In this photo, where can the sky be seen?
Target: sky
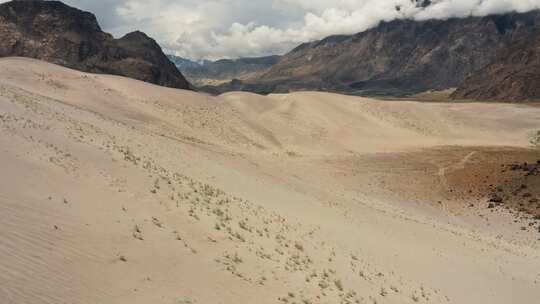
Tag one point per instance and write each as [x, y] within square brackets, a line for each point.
[213, 29]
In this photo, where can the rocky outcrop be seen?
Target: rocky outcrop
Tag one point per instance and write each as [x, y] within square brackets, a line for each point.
[57, 33]
[513, 76]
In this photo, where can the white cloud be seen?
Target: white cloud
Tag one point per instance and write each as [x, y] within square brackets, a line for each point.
[236, 28]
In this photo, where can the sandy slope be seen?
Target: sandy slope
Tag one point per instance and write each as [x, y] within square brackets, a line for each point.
[117, 191]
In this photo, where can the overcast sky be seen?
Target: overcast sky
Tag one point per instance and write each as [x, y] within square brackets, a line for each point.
[238, 28]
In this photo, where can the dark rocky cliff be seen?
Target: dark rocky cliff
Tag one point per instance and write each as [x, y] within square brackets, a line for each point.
[55, 32]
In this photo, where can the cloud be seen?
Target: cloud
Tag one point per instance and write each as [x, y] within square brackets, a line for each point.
[322, 18]
[216, 29]
[238, 28]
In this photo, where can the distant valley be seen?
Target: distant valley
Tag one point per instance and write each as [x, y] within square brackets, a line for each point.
[208, 73]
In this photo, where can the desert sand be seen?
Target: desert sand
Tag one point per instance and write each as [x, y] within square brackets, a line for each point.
[113, 190]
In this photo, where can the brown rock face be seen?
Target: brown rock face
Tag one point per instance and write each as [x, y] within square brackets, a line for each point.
[400, 57]
[514, 75]
[55, 32]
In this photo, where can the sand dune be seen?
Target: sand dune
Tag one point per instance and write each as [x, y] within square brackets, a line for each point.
[117, 191]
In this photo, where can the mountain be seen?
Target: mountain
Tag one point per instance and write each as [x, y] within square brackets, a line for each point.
[513, 76]
[399, 57]
[55, 32]
[215, 72]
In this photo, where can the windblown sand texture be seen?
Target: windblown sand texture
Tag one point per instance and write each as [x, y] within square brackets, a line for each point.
[118, 191]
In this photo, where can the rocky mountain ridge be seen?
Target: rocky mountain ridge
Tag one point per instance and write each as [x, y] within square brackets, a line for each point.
[396, 58]
[55, 32]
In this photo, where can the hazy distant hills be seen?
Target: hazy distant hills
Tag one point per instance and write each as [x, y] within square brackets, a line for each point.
[183, 63]
[208, 72]
[397, 58]
[55, 32]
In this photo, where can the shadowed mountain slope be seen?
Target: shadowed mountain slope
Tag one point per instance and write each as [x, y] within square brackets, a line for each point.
[55, 32]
